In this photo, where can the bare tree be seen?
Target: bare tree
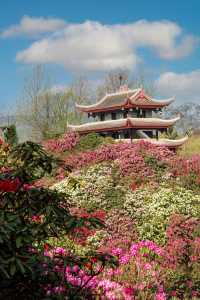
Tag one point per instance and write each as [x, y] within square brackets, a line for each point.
[81, 93]
[115, 79]
[112, 82]
[43, 110]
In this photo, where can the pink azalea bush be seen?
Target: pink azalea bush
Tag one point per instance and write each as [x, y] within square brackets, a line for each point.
[65, 143]
[130, 157]
[146, 270]
[188, 170]
[121, 231]
[142, 273]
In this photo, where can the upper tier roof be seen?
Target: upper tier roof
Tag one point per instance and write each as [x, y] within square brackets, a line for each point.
[125, 99]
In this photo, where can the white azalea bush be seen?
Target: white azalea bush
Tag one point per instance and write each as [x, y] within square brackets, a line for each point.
[152, 209]
[94, 188]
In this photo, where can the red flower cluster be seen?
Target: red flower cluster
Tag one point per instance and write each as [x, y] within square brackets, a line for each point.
[8, 185]
[36, 219]
[80, 234]
[181, 166]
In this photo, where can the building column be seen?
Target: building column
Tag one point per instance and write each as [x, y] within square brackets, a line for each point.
[157, 134]
[130, 134]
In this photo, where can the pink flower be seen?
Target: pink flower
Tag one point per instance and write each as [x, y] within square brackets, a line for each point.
[117, 251]
[124, 259]
[75, 268]
[173, 293]
[160, 296]
[129, 291]
[195, 294]
[60, 251]
[147, 266]
[141, 286]
[134, 249]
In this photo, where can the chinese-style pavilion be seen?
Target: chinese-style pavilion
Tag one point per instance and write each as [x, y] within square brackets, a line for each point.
[128, 114]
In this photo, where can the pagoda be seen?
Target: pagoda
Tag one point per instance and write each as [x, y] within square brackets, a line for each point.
[128, 114]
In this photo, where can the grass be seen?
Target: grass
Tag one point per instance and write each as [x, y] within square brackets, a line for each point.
[191, 147]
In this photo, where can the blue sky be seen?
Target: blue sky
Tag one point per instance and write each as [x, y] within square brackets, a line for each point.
[92, 37]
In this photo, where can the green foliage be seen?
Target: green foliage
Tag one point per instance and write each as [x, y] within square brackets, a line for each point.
[155, 164]
[10, 135]
[91, 141]
[31, 162]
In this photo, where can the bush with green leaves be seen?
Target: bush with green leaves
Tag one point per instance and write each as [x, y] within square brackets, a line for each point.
[91, 141]
[152, 208]
[29, 218]
[10, 135]
[93, 188]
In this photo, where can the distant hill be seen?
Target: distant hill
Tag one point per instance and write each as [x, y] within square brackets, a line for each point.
[190, 115]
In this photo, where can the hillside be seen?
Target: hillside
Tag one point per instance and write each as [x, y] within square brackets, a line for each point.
[120, 220]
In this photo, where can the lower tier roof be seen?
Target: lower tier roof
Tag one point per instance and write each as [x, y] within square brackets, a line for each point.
[112, 125]
[161, 142]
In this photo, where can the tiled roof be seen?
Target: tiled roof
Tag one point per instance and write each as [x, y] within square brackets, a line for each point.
[161, 142]
[125, 98]
[110, 125]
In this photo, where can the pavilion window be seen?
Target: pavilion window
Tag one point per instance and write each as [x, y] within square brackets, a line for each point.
[125, 114]
[113, 116]
[102, 117]
[148, 113]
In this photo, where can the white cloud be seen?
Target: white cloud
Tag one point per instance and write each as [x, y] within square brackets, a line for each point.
[92, 46]
[185, 86]
[29, 26]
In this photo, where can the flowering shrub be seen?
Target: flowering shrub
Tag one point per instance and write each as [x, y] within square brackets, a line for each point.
[81, 234]
[187, 170]
[182, 256]
[94, 188]
[152, 209]
[129, 157]
[121, 231]
[114, 201]
[139, 261]
[29, 217]
[67, 142]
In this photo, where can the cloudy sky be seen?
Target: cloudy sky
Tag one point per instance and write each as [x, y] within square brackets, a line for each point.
[94, 36]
